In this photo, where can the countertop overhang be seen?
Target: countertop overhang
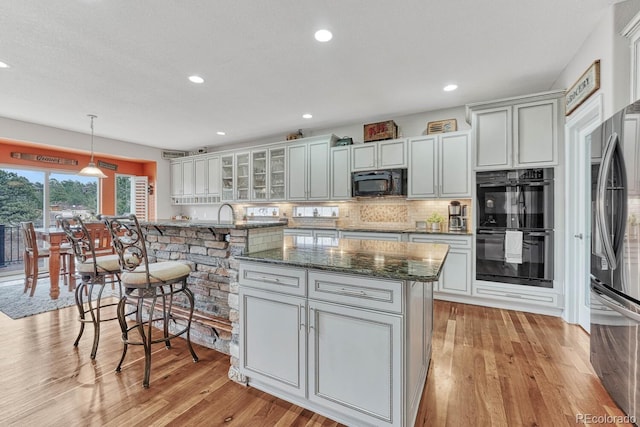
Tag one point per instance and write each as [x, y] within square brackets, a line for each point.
[420, 262]
[200, 223]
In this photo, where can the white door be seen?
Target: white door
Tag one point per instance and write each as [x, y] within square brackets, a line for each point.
[577, 212]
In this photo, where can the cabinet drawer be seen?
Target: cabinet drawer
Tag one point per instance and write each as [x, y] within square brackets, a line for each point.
[273, 277]
[461, 242]
[366, 235]
[507, 294]
[376, 294]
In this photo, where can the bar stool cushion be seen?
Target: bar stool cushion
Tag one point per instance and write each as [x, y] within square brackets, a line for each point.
[159, 272]
[106, 264]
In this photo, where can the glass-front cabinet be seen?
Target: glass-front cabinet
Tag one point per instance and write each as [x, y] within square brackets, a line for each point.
[242, 176]
[276, 173]
[226, 174]
[259, 179]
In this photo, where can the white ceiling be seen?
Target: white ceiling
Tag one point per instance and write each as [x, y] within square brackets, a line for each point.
[128, 62]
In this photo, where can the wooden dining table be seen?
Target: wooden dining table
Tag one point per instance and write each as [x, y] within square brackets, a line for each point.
[55, 237]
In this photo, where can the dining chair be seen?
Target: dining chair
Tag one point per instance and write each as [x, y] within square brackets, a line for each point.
[32, 256]
[97, 265]
[149, 291]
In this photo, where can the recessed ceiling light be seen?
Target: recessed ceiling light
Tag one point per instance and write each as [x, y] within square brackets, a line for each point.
[323, 35]
[196, 79]
[4, 65]
[306, 116]
[221, 133]
[449, 88]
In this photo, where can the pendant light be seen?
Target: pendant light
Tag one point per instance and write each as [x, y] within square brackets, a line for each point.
[91, 169]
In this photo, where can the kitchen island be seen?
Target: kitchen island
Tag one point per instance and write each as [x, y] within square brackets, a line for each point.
[342, 328]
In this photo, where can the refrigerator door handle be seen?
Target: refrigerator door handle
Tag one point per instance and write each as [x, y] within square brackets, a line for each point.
[605, 168]
[613, 305]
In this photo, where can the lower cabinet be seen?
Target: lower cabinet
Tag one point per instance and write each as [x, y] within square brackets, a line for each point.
[354, 348]
[456, 275]
[273, 345]
[343, 374]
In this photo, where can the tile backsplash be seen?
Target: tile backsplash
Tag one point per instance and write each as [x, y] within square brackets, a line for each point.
[374, 213]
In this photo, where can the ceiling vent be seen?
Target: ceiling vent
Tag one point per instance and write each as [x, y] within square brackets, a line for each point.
[168, 155]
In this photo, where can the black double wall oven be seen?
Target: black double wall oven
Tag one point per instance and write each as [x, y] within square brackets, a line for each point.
[514, 235]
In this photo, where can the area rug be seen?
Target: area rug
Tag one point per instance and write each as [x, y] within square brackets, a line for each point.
[16, 304]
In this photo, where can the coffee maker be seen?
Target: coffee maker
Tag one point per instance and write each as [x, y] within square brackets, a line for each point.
[457, 216]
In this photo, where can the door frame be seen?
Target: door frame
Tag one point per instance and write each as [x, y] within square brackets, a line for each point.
[577, 210]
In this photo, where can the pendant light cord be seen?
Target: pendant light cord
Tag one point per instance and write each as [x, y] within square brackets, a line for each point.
[92, 116]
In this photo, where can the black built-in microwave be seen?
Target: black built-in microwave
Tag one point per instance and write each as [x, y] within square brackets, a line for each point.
[389, 182]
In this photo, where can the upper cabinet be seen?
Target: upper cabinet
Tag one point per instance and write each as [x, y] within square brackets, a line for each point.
[308, 169]
[517, 132]
[439, 166]
[389, 154]
[340, 170]
[277, 179]
[195, 180]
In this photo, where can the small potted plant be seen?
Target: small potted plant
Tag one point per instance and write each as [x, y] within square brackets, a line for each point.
[434, 221]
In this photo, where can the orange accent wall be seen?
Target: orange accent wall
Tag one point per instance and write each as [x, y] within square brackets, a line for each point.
[107, 194]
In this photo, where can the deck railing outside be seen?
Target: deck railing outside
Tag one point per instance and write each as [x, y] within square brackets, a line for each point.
[11, 248]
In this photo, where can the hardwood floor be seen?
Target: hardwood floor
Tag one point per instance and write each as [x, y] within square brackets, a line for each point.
[490, 367]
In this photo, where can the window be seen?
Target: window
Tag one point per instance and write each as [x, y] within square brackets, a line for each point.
[33, 195]
[131, 195]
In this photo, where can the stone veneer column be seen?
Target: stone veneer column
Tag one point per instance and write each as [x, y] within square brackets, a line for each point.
[214, 275]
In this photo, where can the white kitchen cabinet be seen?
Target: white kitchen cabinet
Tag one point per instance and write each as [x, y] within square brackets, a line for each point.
[227, 177]
[356, 349]
[308, 169]
[632, 152]
[456, 275]
[195, 180]
[207, 176]
[277, 178]
[259, 174]
[309, 236]
[235, 176]
[176, 178]
[390, 154]
[340, 170]
[273, 342]
[242, 177]
[517, 132]
[346, 377]
[371, 235]
[439, 166]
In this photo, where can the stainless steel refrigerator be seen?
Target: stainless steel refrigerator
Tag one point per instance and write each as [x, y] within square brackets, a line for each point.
[615, 259]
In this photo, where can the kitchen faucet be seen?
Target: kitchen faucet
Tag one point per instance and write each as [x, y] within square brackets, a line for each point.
[233, 214]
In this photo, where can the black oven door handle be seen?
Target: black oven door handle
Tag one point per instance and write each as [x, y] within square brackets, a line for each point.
[493, 184]
[490, 232]
[537, 233]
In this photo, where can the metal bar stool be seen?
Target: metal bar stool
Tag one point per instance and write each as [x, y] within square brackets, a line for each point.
[95, 262]
[150, 288]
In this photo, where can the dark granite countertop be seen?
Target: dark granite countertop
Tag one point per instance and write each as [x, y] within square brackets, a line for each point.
[392, 260]
[213, 224]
